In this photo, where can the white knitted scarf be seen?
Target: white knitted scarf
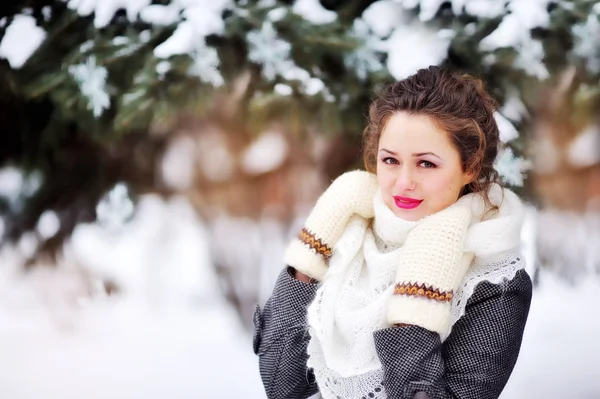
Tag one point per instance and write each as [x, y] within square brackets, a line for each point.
[350, 304]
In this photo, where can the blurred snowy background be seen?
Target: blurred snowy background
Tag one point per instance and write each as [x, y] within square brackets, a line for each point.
[156, 156]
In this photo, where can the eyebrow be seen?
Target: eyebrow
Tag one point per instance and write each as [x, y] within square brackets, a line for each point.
[417, 154]
[420, 154]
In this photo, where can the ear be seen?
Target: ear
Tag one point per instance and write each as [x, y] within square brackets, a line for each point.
[467, 178]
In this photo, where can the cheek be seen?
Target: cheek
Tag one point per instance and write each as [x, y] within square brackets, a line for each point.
[444, 189]
[383, 186]
[384, 179]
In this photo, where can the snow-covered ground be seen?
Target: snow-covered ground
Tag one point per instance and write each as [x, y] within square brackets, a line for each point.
[561, 347]
[123, 350]
[169, 335]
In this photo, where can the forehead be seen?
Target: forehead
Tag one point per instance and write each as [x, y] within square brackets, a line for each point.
[414, 131]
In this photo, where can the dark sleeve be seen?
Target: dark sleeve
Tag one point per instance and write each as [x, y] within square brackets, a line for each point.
[476, 359]
[281, 338]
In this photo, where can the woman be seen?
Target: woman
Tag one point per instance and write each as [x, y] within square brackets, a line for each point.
[406, 282]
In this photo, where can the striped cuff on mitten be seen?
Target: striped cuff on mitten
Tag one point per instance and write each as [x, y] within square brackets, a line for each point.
[420, 305]
[308, 254]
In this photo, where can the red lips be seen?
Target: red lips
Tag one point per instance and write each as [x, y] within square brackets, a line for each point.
[406, 202]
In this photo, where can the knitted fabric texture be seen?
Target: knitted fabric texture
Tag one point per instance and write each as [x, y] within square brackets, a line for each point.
[350, 194]
[433, 256]
[353, 299]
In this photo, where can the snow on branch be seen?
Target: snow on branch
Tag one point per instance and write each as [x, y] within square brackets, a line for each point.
[91, 79]
[21, 39]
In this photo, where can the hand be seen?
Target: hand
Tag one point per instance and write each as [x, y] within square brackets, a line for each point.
[432, 266]
[349, 194]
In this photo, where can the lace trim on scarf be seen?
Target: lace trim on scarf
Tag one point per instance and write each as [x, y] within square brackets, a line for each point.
[495, 270]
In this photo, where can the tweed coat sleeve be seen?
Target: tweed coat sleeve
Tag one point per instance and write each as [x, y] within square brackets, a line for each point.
[281, 338]
[475, 361]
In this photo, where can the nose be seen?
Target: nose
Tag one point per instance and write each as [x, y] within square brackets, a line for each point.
[405, 180]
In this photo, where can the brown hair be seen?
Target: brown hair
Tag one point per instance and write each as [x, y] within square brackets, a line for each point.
[459, 105]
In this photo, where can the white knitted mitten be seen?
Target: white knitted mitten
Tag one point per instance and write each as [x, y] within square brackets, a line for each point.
[351, 193]
[433, 264]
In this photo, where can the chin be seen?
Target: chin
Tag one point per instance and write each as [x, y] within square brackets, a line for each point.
[410, 215]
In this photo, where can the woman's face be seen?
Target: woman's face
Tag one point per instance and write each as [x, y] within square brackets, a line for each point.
[418, 169]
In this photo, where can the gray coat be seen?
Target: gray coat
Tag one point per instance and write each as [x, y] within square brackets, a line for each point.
[474, 362]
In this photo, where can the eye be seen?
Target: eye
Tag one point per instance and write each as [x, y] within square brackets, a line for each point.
[427, 164]
[390, 161]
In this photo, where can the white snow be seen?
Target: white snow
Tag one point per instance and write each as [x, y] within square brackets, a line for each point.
[169, 334]
[182, 41]
[512, 169]
[383, 16]
[429, 8]
[415, 46]
[158, 255]
[205, 66]
[584, 150]
[272, 53]
[47, 13]
[560, 347]
[162, 68]
[531, 54]
[119, 351]
[21, 38]
[11, 183]
[265, 154]
[240, 242]
[313, 11]
[268, 50]
[515, 27]
[277, 14]
[514, 108]
[160, 15]
[14, 185]
[484, 8]
[128, 46]
[282, 89]
[584, 47]
[309, 85]
[409, 4]
[507, 130]
[479, 8]
[514, 31]
[115, 208]
[91, 79]
[28, 244]
[314, 86]
[205, 16]
[202, 18]
[48, 224]
[104, 10]
[367, 57]
[567, 242]
[33, 181]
